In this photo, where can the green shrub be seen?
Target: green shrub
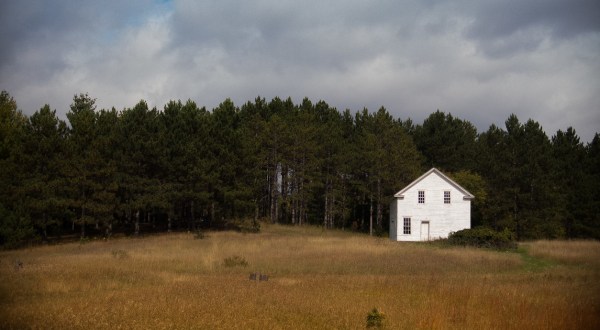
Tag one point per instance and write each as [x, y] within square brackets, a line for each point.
[234, 261]
[375, 319]
[484, 237]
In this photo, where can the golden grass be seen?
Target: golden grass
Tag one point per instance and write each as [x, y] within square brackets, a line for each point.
[318, 280]
[575, 251]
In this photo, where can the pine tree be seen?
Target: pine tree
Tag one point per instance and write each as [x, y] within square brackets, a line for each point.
[538, 201]
[139, 170]
[589, 223]
[569, 157]
[254, 157]
[105, 179]
[15, 224]
[84, 165]
[517, 164]
[225, 169]
[446, 142]
[386, 160]
[304, 164]
[492, 164]
[42, 159]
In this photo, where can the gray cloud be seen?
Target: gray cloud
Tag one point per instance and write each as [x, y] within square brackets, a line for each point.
[503, 27]
[478, 60]
[564, 19]
[57, 26]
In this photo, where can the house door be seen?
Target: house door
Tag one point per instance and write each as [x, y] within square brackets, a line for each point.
[424, 230]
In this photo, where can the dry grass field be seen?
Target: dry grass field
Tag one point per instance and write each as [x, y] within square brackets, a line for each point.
[317, 280]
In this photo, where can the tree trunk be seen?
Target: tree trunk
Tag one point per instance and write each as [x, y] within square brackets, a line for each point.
[294, 198]
[379, 208]
[108, 231]
[212, 211]
[284, 194]
[371, 216]
[344, 223]
[256, 212]
[273, 193]
[294, 204]
[82, 222]
[302, 212]
[325, 214]
[137, 223]
[332, 212]
[193, 216]
[301, 203]
[44, 232]
[516, 218]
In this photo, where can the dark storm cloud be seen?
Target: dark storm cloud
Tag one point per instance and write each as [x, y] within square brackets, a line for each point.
[563, 19]
[479, 60]
[504, 27]
[41, 32]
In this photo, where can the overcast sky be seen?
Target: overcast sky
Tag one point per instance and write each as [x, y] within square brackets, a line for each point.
[479, 60]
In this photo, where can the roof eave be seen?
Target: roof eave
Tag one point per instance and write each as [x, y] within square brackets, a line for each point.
[466, 194]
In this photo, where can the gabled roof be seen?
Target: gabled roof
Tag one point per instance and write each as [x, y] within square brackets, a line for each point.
[467, 195]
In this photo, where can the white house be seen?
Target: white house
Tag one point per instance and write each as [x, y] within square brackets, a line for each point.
[431, 207]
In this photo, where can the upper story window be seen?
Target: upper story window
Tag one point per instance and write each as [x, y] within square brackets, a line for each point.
[421, 197]
[446, 197]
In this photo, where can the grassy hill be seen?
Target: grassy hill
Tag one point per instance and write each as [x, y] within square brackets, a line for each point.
[316, 280]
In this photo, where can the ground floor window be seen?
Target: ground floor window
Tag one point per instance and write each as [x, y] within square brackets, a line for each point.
[406, 226]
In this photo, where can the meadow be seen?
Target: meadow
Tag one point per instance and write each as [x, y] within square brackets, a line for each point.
[318, 279]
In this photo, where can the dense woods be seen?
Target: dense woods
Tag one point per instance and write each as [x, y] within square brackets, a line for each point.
[184, 167]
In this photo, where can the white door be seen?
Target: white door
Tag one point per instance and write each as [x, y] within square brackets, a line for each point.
[424, 230]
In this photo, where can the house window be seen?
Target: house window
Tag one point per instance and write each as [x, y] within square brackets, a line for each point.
[446, 197]
[421, 197]
[406, 226]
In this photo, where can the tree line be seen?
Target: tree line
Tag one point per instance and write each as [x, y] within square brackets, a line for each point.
[184, 167]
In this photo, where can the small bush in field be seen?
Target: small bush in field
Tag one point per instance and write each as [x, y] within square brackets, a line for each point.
[242, 225]
[119, 254]
[375, 319]
[248, 226]
[199, 234]
[379, 232]
[483, 237]
[235, 261]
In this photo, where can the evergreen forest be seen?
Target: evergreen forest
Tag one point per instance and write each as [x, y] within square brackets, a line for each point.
[143, 170]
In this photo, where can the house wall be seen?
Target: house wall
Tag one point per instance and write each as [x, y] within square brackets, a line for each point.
[442, 218]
